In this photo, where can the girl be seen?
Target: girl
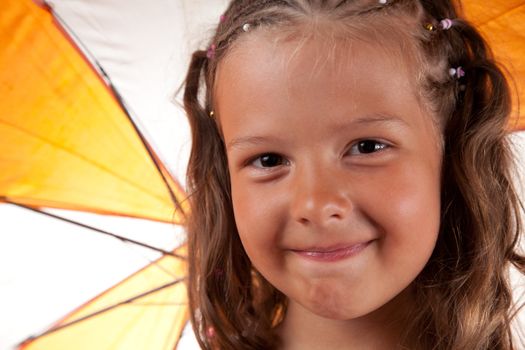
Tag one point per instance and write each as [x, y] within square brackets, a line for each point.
[351, 180]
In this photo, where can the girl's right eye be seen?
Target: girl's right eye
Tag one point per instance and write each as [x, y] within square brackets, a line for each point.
[268, 160]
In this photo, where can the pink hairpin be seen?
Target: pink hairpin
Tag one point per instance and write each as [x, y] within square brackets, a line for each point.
[210, 332]
[446, 24]
[458, 72]
[211, 52]
[222, 18]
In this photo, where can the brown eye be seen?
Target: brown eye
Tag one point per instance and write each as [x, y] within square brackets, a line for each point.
[268, 160]
[367, 146]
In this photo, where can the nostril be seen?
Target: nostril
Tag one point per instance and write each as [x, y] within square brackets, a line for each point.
[332, 211]
[304, 221]
[322, 204]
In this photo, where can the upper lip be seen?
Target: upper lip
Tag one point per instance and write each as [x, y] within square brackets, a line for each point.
[330, 248]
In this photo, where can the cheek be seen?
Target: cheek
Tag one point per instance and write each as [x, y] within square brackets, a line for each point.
[409, 211]
[257, 216]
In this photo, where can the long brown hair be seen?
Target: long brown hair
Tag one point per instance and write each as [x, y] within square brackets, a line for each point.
[463, 295]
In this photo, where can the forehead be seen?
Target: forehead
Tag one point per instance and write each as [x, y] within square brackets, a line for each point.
[323, 55]
[267, 70]
[330, 42]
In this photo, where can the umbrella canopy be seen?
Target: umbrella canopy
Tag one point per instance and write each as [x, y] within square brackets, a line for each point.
[127, 317]
[70, 141]
[503, 25]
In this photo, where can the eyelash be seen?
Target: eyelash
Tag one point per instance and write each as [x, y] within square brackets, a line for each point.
[259, 158]
[378, 147]
[382, 145]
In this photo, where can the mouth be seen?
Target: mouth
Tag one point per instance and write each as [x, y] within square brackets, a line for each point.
[334, 253]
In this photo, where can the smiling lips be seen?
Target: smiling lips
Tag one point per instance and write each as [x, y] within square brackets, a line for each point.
[332, 254]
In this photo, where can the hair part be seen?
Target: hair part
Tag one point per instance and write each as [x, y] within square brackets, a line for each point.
[463, 295]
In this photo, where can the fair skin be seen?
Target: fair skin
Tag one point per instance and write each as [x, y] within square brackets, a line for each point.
[335, 175]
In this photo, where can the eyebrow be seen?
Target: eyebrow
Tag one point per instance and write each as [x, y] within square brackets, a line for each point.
[364, 120]
[378, 118]
[249, 140]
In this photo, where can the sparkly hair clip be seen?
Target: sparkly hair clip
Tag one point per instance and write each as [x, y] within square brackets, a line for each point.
[211, 52]
[383, 2]
[444, 24]
[457, 72]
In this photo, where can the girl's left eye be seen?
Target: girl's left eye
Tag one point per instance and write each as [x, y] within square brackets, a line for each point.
[367, 146]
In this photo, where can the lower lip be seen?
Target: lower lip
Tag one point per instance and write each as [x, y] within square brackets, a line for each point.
[333, 255]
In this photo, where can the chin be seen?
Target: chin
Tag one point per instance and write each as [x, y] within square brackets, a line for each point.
[334, 314]
[335, 307]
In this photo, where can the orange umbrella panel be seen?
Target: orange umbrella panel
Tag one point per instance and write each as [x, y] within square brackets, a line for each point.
[148, 310]
[66, 142]
[502, 23]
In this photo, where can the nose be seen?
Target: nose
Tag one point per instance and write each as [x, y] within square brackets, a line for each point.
[321, 197]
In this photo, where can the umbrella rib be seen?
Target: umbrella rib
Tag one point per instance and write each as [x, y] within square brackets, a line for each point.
[160, 304]
[173, 330]
[124, 239]
[161, 268]
[102, 311]
[122, 104]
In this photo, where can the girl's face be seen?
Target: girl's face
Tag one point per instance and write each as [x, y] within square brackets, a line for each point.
[335, 170]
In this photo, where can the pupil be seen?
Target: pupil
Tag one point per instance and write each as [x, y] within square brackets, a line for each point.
[367, 146]
[270, 160]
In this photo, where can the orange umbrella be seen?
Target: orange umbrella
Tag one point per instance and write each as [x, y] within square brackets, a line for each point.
[65, 133]
[145, 311]
[503, 25]
[69, 143]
